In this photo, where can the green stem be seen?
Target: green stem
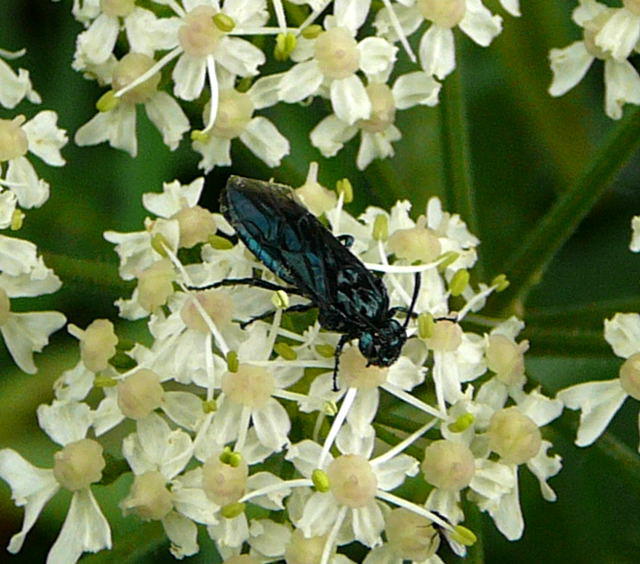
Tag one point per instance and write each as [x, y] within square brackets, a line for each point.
[96, 274]
[456, 156]
[532, 258]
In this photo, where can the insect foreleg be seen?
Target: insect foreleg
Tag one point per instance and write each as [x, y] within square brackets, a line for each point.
[414, 298]
[293, 308]
[257, 282]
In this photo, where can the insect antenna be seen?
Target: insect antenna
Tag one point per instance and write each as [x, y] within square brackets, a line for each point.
[414, 298]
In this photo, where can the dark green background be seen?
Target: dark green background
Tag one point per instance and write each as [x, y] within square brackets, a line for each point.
[526, 149]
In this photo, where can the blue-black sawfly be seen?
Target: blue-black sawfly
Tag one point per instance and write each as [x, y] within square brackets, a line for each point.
[295, 246]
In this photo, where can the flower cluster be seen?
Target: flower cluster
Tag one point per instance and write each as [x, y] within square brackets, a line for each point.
[216, 51]
[611, 35]
[23, 273]
[221, 417]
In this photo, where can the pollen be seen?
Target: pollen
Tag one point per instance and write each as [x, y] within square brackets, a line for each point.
[13, 141]
[352, 480]
[448, 465]
[235, 110]
[337, 53]
[130, 68]
[251, 386]
[383, 108]
[140, 394]
[149, 497]
[355, 373]
[78, 464]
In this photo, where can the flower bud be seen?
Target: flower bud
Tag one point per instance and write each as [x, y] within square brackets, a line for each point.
[224, 484]
[506, 358]
[98, 344]
[155, 285]
[630, 376]
[411, 536]
[448, 465]
[78, 464]
[250, 386]
[514, 436]
[415, 244]
[140, 394]
[196, 225]
[149, 497]
[446, 336]
[337, 53]
[301, 550]
[13, 140]
[352, 480]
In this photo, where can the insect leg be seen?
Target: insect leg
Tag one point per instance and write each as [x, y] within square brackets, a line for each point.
[257, 282]
[414, 298]
[346, 240]
[344, 339]
[293, 308]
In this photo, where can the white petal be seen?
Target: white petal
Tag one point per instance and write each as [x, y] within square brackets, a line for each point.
[96, 43]
[599, 402]
[376, 55]
[24, 181]
[273, 500]
[26, 333]
[183, 408]
[479, 24]
[248, 14]
[437, 51]
[174, 197]
[363, 410]
[45, 138]
[182, 533]
[569, 65]
[215, 151]
[85, 529]
[269, 538]
[31, 487]
[587, 10]
[507, 515]
[272, 425]
[622, 332]
[415, 88]
[305, 456]
[367, 523]
[15, 87]
[17, 256]
[225, 422]
[376, 146]
[409, 17]
[107, 415]
[65, 422]
[541, 409]
[330, 135]
[264, 91]
[619, 34]
[622, 86]
[634, 246]
[239, 56]
[167, 115]
[117, 126]
[511, 6]
[351, 14]
[265, 141]
[300, 81]
[350, 100]
[189, 76]
[142, 32]
[392, 473]
[356, 441]
[319, 514]
[544, 467]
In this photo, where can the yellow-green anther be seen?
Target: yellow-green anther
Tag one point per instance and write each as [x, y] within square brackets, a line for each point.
[107, 101]
[425, 325]
[285, 351]
[235, 459]
[330, 408]
[463, 535]
[345, 188]
[290, 42]
[232, 361]
[232, 510]
[220, 243]
[280, 299]
[160, 244]
[311, 31]
[244, 84]
[462, 423]
[500, 282]
[199, 135]
[447, 259]
[459, 282]
[17, 220]
[320, 480]
[224, 22]
[327, 351]
[104, 382]
[285, 44]
[209, 406]
[225, 455]
[381, 227]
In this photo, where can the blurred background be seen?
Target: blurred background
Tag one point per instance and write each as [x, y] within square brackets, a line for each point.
[526, 148]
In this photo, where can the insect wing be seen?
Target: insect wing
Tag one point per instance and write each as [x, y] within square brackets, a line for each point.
[295, 246]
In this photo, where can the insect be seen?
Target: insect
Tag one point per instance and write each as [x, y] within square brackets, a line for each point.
[295, 246]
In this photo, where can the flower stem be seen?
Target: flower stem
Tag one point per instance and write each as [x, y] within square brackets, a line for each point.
[533, 257]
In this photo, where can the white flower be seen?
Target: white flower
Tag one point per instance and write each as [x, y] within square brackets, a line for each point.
[235, 119]
[76, 467]
[600, 401]
[15, 87]
[620, 33]
[115, 122]
[570, 64]
[635, 237]
[377, 130]
[40, 136]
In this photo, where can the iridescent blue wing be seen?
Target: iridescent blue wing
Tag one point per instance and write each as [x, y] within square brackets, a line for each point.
[295, 246]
